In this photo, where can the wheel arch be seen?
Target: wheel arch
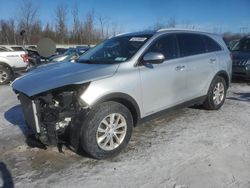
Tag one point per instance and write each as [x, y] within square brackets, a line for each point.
[124, 99]
[224, 75]
[8, 66]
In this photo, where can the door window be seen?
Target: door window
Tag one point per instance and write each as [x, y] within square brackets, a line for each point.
[165, 45]
[190, 44]
[211, 45]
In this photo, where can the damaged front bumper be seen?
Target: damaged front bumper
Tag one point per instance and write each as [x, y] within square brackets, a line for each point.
[55, 117]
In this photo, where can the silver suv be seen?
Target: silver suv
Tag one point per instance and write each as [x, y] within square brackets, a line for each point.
[94, 103]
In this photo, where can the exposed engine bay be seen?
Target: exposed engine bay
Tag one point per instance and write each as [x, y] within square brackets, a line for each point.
[55, 114]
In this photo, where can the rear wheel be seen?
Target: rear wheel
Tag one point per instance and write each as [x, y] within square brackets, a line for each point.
[106, 130]
[5, 75]
[216, 94]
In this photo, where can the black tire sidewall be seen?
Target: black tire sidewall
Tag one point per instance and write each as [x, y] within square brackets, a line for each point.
[91, 123]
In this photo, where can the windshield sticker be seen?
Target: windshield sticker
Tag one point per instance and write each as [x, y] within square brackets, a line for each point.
[138, 39]
[120, 59]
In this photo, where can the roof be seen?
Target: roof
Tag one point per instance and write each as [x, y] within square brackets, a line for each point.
[148, 32]
[152, 32]
[184, 29]
[176, 29]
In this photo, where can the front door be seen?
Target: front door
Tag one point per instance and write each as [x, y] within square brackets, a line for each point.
[163, 85]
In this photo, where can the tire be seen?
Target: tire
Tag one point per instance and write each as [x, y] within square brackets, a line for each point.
[212, 102]
[93, 130]
[5, 75]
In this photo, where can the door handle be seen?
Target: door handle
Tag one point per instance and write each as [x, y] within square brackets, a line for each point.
[180, 68]
[212, 60]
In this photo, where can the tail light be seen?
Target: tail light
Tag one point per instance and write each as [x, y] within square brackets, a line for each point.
[25, 58]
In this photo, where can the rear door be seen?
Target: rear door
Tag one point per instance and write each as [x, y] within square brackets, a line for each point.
[163, 85]
[201, 65]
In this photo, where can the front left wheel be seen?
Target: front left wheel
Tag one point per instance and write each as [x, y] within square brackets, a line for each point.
[106, 130]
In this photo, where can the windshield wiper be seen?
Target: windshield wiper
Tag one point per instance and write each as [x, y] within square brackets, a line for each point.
[86, 61]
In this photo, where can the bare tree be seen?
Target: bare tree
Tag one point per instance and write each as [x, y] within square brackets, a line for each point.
[75, 33]
[84, 31]
[27, 18]
[8, 32]
[88, 27]
[171, 23]
[157, 26]
[5, 31]
[101, 20]
[108, 29]
[61, 27]
[13, 30]
[48, 31]
[115, 29]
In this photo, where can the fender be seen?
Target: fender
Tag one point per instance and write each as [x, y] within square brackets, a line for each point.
[225, 75]
[6, 65]
[124, 99]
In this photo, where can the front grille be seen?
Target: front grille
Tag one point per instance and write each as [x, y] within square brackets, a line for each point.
[29, 112]
[239, 62]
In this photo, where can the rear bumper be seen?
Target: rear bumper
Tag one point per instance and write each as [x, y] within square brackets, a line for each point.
[19, 69]
[241, 71]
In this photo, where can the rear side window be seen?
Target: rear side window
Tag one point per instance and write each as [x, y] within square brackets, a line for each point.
[190, 44]
[165, 45]
[211, 45]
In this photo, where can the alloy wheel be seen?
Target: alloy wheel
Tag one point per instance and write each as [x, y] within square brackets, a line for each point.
[218, 93]
[3, 76]
[111, 131]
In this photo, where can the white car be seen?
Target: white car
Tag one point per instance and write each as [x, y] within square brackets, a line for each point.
[10, 62]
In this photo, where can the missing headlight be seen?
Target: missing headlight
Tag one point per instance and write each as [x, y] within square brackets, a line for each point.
[57, 109]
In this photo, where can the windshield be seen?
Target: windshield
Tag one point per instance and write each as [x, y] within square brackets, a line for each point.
[69, 51]
[242, 45]
[115, 50]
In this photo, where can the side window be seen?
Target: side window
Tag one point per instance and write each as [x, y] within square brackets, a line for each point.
[211, 45]
[190, 44]
[165, 45]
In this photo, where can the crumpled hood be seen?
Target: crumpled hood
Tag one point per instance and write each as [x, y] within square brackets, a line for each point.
[241, 55]
[56, 75]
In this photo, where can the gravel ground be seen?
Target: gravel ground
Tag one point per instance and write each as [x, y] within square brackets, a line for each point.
[188, 148]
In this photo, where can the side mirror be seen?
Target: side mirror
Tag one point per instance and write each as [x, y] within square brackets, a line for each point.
[153, 58]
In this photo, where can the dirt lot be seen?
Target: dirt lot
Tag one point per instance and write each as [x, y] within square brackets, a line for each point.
[189, 148]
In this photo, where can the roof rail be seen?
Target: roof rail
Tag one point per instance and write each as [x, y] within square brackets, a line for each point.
[177, 29]
[119, 34]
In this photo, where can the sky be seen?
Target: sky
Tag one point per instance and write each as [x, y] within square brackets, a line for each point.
[136, 15]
